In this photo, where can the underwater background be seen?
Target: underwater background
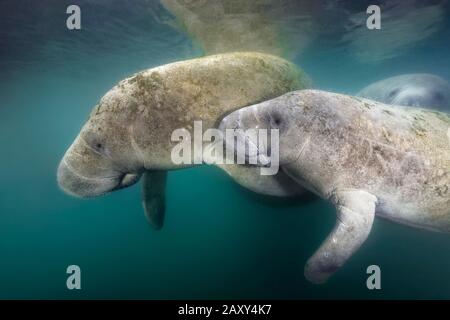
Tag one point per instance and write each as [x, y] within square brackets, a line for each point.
[219, 240]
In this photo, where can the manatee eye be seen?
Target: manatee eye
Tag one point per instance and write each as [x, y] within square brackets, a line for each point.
[98, 146]
[438, 96]
[94, 142]
[393, 93]
[275, 119]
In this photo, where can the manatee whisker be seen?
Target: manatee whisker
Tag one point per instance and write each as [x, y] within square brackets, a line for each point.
[75, 172]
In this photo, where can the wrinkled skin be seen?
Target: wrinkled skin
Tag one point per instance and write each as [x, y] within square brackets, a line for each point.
[365, 157]
[102, 158]
[129, 132]
[415, 90]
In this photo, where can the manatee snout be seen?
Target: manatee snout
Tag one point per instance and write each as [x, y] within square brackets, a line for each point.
[235, 128]
[78, 185]
[85, 172]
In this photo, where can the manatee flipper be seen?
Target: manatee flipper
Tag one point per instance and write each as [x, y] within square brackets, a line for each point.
[355, 214]
[154, 197]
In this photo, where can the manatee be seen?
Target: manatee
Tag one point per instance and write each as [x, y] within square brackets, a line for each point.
[128, 133]
[365, 157]
[417, 90]
[269, 26]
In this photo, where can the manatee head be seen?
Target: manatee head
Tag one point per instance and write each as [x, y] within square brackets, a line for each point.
[415, 90]
[103, 157]
[282, 114]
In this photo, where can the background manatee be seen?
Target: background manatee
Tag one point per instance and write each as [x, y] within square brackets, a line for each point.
[129, 132]
[270, 26]
[417, 90]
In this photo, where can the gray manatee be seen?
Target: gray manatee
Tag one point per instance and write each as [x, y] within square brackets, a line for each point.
[365, 157]
[128, 133]
[416, 90]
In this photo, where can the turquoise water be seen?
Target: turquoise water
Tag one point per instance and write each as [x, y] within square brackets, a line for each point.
[219, 240]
